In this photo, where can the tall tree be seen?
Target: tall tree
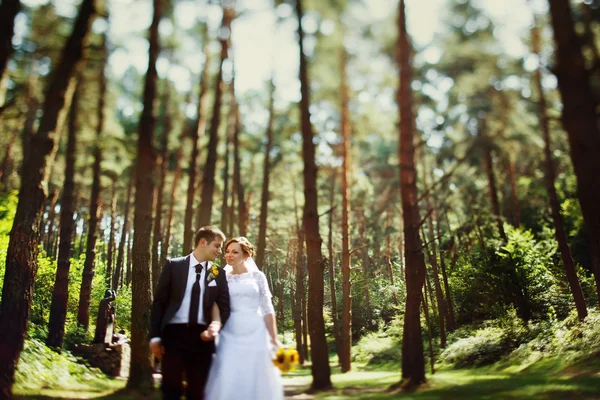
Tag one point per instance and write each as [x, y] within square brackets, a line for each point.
[110, 252]
[208, 175]
[116, 279]
[346, 328]
[264, 200]
[331, 266]
[162, 166]
[413, 362]
[60, 292]
[196, 133]
[580, 120]
[21, 256]
[85, 291]
[140, 372]
[321, 372]
[559, 229]
[8, 11]
[237, 181]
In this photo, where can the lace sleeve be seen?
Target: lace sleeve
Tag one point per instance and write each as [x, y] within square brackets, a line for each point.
[265, 303]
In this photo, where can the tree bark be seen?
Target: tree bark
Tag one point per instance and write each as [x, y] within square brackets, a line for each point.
[299, 292]
[559, 229]
[488, 164]
[413, 362]
[5, 168]
[163, 165]
[110, 253]
[231, 128]
[140, 372]
[60, 292]
[331, 265]
[116, 280]
[346, 332]
[85, 292]
[580, 120]
[365, 269]
[21, 257]
[8, 11]
[237, 183]
[388, 256]
[321, 372]
[439, 295]
[208, 175]
[264, 199]
[196, 133]
[167, 237]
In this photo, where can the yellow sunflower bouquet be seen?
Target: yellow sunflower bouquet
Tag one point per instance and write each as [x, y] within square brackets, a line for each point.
[286, 359]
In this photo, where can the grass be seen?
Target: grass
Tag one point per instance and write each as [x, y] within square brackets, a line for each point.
[539, 380]
[547, 379]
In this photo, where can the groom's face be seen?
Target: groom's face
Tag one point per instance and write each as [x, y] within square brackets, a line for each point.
[212, 249]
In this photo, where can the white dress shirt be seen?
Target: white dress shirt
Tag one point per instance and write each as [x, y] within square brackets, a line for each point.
[182, 315]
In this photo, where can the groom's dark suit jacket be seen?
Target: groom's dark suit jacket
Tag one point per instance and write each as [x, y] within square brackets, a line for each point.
[171, 289]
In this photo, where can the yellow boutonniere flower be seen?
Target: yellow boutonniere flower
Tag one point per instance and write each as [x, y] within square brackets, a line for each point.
[213, 273]
[286, 359]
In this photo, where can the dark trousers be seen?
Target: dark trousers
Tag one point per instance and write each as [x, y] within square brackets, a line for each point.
[186, 357]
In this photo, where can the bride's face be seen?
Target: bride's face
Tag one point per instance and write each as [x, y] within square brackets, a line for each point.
[234, 254]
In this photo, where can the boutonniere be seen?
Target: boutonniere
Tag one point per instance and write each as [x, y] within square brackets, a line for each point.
[213, 272]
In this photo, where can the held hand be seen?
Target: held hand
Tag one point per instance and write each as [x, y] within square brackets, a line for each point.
[157, 350]
[206, 336]
[214, 328]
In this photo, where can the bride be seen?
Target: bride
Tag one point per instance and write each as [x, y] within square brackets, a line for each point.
[243, 367]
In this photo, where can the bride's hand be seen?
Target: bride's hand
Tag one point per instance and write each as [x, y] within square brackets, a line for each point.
[206, 336]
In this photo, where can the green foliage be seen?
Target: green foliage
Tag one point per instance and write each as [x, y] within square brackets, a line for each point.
[40, 367]
[8, 207]
[487, 344]
[381, 348]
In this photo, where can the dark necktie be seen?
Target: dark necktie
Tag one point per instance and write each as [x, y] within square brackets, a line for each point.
[195, 300]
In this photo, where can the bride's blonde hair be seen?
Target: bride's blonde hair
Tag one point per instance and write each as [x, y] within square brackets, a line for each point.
[247, 247]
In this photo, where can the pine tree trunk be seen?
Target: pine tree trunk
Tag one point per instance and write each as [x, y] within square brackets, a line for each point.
[299, 288]
[196, 133]
[5, 168]
[237, 183]
[167, 237]
[346, 332]
[60, 292]
[388, 257]
[140, 372]
[331, 265]
[110, 253]
[413, 362]
[208, 175]
[231, 127]
[264, 199]
[559, 229]
[580, 120]
[8, 11]
[439, 295]
[450, 320]
[49, 230]
[163, 165]
[429, 331]
[85, 292]
[129, 245]
[321, 372]
[488, 164]
[365, 269]
[116, 280]
[21, 257]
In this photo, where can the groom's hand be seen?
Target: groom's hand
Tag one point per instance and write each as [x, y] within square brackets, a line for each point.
[157, 349]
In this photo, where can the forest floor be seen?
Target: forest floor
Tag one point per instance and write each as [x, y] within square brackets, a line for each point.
[543, 380]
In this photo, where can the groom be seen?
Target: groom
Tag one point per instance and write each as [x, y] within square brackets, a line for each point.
[186, 291]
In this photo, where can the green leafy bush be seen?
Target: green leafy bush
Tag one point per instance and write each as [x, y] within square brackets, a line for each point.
[40, 367]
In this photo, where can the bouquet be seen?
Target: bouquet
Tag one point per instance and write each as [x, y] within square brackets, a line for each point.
[286, 359]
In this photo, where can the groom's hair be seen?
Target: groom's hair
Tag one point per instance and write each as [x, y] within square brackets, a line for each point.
[208, 233]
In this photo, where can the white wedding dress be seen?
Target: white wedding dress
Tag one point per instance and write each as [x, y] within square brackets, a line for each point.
[242, 367]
